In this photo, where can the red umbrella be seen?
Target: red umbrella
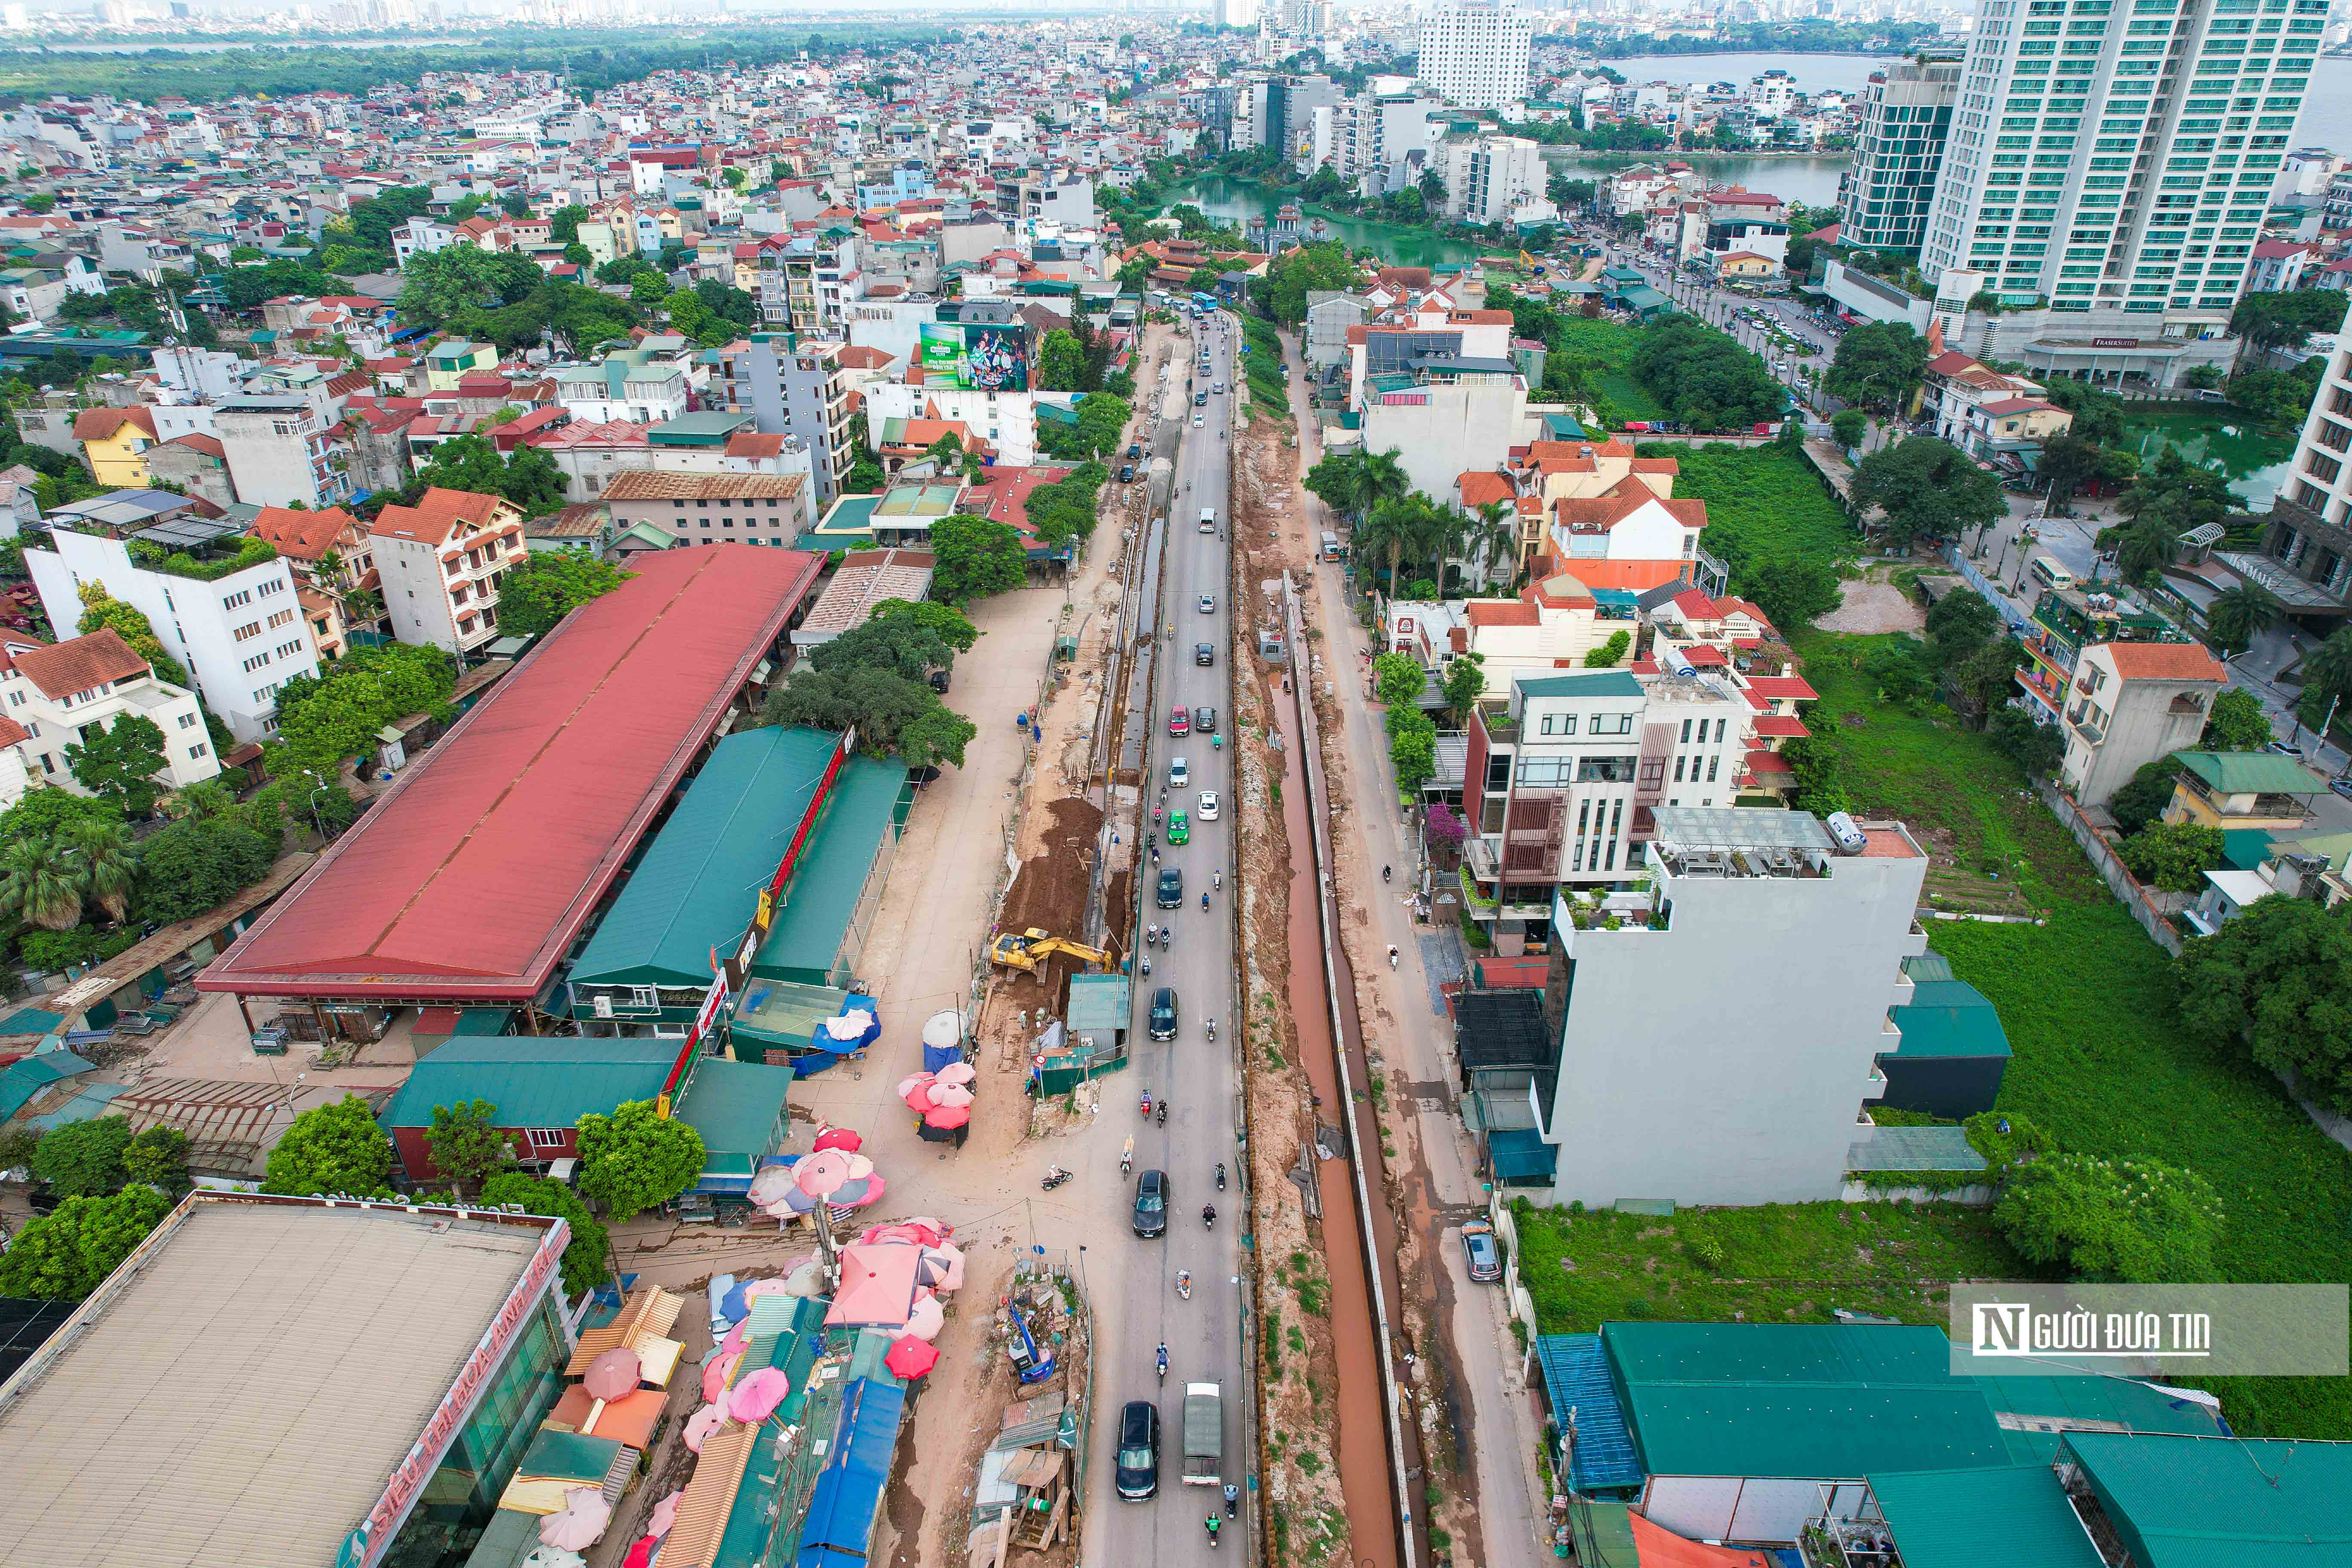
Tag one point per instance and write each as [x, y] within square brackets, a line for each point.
[947, 1116]
[840, 1138]
[819, 1173]
[614, 1376]
[910, 1357]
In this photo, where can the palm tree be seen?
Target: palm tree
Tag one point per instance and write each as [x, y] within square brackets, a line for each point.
[2148, 546]
[201, 801]
[101, 860]
[1497, 534]
[2326, 668]
[2236, 617]
[1379, 477]
[37, 886]
[1382, 532]
[1449, 537]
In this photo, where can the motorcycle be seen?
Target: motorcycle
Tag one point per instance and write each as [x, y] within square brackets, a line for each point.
[1220, 1175]
[1208, 1216]
[1204, 903]
[1212, 1030]
[1217, 880]
[1184, 1283]
[1213, 1523]
[1147, 1104]
[1163, 1114]
[1232, 1501]
[1164, 1363]
[1147, 966]
[1055, 1176]
[1127, 1156]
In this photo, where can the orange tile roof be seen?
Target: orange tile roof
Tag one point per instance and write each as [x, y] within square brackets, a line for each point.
[1501, 613]
[79, 664]
[303, 535]
[105, 424]
[438, 512]
[1482, 489]
[2165, 662]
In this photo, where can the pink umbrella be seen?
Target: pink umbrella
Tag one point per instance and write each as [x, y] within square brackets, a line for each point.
[776, 1287]
[958, 1072]
[614, 1374]
[817, 1174]
[580, 1523]
[790, 1205]
[942, 1267]
[702, 1424]
[714, 1376]
[771, 1183]
[940, 1229]
[910, 1357]
[909, 1084]
[922, 1232]
[736, 1337]
[920, 1099]
[664, 1515]
[756, 1397]
[852, 1192]
[951, 1094]
[927, 1319]
[874, 1187]
[840, 1138]
[641, 1555]
[859, 1165]
[947, 1116]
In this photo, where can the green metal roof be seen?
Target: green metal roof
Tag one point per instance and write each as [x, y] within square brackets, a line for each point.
[703, 430]
[1099, 1004]
[739, 1107]
[1817, 1400]
[698, 883]
[1605, 683]
[2245, 848]
[2016, 1515]
[550, 1081]
[813, 916]
[2118, 1402]
[2250, 772]
[22, 1081]
[2221, 1503]
[1948, 1019]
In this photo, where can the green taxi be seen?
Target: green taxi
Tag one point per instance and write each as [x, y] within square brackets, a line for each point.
[1180, 829]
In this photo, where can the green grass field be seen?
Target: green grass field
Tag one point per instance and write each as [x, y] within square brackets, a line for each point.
[1762, 503]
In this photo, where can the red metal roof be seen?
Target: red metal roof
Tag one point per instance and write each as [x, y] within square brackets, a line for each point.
[473, 874]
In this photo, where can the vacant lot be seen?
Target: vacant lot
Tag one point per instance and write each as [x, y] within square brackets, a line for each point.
[1610, 345]
[1762, 504]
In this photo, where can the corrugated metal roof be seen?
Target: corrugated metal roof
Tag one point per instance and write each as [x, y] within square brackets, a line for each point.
[737, 1107]
[2250, 772]
[700, 879]
[473, 875]
[261, 1375]
[533, 1082]
[1950, 1018]
[814, 914]
[1914, 1149]
[2219, 1502]
[2016, 1515]
[1825, 1401]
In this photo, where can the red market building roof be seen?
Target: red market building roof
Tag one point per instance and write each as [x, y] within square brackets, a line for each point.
[479, 868]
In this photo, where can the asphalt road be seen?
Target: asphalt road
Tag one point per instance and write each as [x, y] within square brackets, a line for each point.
[1198, 1079]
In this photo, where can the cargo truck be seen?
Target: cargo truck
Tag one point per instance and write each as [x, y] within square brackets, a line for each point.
[1204, 1434]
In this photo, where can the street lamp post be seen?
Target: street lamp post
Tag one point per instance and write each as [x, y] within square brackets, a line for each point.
[314, 802]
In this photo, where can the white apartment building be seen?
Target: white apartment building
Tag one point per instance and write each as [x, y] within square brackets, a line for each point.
[240, 635]
[52, 697]
[1719, 1045]
[1899, 149]
[2119, 163]
[1475, 53]
[280, 451]
[629, 386]
[442, 561]
[2130, 703]
[1381, 140]
[1487, 178]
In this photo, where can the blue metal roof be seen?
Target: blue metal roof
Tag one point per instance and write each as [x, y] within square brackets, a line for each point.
[1576, 1377]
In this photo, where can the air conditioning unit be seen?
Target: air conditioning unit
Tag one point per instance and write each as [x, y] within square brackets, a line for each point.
[604, 1005]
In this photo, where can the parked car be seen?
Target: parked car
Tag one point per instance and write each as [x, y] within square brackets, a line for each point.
[1127, 473]
[1151, 1204]
[1139, 1451]
[1135, 452]
[1480, 1249]
[1163, 1012]
[2285, 749]
[2342, 786]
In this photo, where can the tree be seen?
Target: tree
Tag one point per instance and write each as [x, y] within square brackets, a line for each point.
[527, 477]
[1877, 366]
[159, 1157]
[948, 625]
[2147, 545]
[1398, 678]
[649, 287]
[2173, 856]
[1926, 488]
[1849, 426]
[2036, 748]
[937, 734]
[2069, 462]
[37, 886]
[974, 558]
[192, 867]
[2133, 1220]
[331, 1149]
[84, 1159]
[1959, 624]
[436, 286]
[130, 624]
[466, 1146]
[1610, 653]
[584, 1254]
[563, 224]
[2182, 494]
[2237, 722]
[1793, 592]
[633, 1160]
[121, 762]
[1061, 363]
[2276, 983]
[101, 860]
[2142, 801]
[549, 585]
[2240, 615]
[2326, 675]
[1897, 671]
[1463, 683]
[1986, 679]
[1300, 271]
[1814, 766]
[1412, 752]
[2284, 320]
[1703, 377]
[66, 1255]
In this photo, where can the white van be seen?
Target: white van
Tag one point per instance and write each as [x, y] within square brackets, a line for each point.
[1208, 520]
[2050, 575]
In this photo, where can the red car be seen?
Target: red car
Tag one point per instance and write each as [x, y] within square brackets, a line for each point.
[1178, 722]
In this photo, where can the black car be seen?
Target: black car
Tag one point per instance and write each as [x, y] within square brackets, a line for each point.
[1151, 1204]
[1163, 1012]
[1205, 719]
[1139, 1451]
[1171, 888]
[1199, 400]
[1135, 452]
[1127, 473]
[1204, 653]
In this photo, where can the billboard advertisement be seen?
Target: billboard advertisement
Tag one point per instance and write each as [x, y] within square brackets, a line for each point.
[975, 358]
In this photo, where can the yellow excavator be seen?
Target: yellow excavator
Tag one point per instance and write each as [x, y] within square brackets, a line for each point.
[1026, 950]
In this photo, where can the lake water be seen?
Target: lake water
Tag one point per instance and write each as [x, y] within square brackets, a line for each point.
[2254, 461]
[1237, 200]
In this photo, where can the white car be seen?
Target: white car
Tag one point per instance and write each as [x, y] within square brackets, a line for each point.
[1208, 603]
[1208, 805]
[1178, 773]
[1196, 421]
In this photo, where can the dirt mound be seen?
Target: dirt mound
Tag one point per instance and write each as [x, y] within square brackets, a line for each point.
[1050, 890]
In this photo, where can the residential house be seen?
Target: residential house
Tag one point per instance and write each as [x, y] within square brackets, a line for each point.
[195, 462]
[114, 442]
[706, 508]
[281, 450]
[2242, 789]
[332, 555]
[2065, 622]
[441, 562]
[2132, 704]
[633, 385]
[20, 500]
[53, 697]
[446, 364]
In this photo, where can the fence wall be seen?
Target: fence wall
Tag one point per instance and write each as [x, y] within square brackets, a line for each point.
[2017, 619]
[2117, 876]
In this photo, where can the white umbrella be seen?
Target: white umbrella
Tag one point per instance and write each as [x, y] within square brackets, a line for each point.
[941, 1030]
[926, 1318]
[958, 1073]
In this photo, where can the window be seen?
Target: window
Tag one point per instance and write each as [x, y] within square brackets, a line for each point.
[279, 619]
[187, 720]
[1711, 762]
[1612, 724]
[251, 629]
[197, 750]
[1686, 740]
[1678, 764]
[548, 1137]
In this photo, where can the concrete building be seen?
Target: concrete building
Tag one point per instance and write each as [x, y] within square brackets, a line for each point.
[638, 386]
[2131, 704]
[1719, 1045]
[1475, 53]
[279, 451]
[2242, 789]
[771, 510]
[1899, 150]
[2132, 197]
[441, 562]
[114, 442]
[56, 696]
[1382, 138]
[795, 388]
[1487, 178]
[2306, 560]
[239, 634]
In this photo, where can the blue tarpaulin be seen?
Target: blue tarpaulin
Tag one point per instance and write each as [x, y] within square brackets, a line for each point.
[825, 1039]
[849, 1489]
